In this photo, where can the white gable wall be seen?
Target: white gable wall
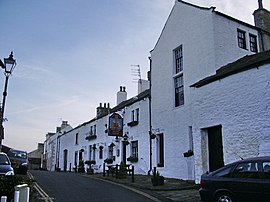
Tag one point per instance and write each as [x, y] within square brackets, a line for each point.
[204, 36]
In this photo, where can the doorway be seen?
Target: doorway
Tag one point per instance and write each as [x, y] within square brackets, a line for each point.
[124, 151]
[215, 148]
[65, 159]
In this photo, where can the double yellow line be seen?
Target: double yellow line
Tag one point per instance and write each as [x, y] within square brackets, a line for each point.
[40, 191]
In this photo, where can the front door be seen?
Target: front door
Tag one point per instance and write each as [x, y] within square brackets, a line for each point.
[124, 152]
[215, 147]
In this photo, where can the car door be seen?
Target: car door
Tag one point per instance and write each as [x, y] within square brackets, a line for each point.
[247, 182]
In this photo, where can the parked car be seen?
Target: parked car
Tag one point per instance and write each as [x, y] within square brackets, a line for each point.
[19, 161]
[5, 165]
[245, 180]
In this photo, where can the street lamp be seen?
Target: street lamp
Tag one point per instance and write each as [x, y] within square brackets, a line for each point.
[8, 65]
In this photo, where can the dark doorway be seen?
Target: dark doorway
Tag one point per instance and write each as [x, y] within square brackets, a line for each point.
[65, 159]
[215, 147]
[80, 155]
[124, 151]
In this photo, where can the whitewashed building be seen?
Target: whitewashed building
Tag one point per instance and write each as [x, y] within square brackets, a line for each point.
[90, 141]
[208, 102]
[49, 160]
[194, 44]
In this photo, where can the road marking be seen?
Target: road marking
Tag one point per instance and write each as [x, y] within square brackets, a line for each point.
[41, 192]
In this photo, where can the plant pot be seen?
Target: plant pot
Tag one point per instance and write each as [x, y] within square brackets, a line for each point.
[156, 181]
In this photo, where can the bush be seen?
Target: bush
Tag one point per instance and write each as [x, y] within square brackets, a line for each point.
[7, 184]
[122, 171]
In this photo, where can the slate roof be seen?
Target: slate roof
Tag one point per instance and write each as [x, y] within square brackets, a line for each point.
[120, 106]
[243, 64]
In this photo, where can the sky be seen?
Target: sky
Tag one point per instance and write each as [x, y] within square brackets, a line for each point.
[72, 55]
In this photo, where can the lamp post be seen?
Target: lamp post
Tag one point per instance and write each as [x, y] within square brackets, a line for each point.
[8, 65]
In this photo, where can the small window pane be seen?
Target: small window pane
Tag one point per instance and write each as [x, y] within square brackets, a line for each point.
[241, 39]
[178, 56]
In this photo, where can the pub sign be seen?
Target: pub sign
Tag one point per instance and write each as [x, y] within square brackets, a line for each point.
[115, 125]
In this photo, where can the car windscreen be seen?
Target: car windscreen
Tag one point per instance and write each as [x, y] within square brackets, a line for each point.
[17, 154]
[4, 160]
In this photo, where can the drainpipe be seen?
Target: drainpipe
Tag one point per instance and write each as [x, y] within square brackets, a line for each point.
[150, 119]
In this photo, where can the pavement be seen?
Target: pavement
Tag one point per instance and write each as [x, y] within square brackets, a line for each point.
[172, 190]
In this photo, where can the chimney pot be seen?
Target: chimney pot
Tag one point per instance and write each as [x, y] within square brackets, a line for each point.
[124, 89]
[120, 88]
[260, 4]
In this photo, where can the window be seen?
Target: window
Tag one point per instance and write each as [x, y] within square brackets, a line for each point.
[95, 129]
[76, 138]
[178, 59]
[94, 152]
[100, 152]
[76, 158]
[241, 39]
[134, 149]
[253, 43]
[160, 150]
[179, 90]
[246, 170]
[134, 118]
[110, 152]
[137, 114]
[90, 152]
[91, 130]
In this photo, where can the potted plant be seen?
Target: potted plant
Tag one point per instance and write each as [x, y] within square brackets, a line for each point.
[81, 168]
[109, 161]
[90, 170]
[132, 159]
[122, 171]
[157, 179]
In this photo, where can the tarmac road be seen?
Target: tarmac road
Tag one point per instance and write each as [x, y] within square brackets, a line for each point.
[72, 187]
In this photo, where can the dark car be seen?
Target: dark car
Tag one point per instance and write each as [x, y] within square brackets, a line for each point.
[19, 161]
[5, 165]
[245, 180]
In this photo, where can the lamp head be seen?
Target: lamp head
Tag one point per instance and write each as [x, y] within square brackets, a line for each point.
[9, 63]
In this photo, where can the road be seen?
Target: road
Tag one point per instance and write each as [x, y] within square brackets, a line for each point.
[72, 187]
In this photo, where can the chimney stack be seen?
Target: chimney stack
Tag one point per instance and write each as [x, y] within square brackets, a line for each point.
[103, 110]
[262, 21]
[121, 95]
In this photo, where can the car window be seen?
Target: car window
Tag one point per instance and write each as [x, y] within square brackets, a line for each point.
[224, 172]
[17, 154]
[266, 170]
[4, 160]
[246, 170]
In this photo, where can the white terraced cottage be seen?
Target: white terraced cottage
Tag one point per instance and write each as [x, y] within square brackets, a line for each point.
[201, 127]
[208, 102]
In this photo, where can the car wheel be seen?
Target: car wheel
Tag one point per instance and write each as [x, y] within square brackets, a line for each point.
[224, 197]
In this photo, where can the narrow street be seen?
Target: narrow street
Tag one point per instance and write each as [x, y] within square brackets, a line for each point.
[73, 187]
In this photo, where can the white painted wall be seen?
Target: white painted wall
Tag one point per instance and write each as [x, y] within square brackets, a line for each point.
[240, 103]
[208, 40]
[136, 133]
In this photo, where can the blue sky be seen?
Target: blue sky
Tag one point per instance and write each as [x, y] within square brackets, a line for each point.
[72, 55]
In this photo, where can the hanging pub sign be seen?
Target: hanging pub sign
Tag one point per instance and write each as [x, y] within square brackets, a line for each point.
[115, 125]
